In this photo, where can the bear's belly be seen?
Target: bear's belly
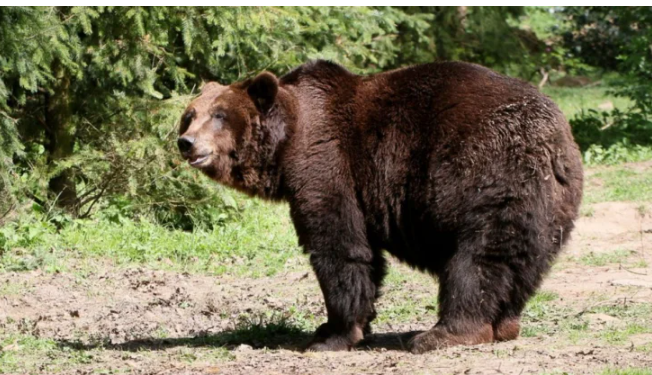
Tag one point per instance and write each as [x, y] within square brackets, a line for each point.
[428, 255]
[413, 238]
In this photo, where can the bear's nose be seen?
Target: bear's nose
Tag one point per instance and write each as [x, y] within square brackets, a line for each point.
[185, 143]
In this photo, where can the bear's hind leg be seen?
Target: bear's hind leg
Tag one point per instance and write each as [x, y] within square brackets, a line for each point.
[484, 287]
[526, 273]
[472, 287]
[378, 273]
[507, 328]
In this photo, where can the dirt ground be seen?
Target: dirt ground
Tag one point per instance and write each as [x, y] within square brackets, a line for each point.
[144, 321]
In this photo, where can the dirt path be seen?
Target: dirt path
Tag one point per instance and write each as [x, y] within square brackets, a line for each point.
[597, 315]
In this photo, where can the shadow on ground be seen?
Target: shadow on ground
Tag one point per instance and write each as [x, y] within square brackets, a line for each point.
[272, 336]
[389, 341]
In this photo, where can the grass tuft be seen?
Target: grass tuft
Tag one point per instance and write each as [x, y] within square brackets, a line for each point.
[602, 259]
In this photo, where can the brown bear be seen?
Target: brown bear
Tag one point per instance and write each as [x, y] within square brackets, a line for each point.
[452, 168]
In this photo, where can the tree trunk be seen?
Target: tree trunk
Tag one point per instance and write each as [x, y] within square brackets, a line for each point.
[544, 78]
[461, 14]
[61, 140]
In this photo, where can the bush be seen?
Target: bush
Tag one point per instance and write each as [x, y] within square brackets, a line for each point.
[131, 170]
[612, 137]
[614, 38]
[90, 96]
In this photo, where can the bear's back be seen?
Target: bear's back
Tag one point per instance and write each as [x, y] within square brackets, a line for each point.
[439, 88]
[450, 104]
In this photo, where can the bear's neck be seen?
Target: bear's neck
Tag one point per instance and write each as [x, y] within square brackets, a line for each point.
[259, 171]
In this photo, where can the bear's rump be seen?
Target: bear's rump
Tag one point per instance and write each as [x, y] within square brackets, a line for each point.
[420, 219]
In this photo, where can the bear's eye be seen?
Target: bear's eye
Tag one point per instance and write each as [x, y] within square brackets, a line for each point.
[217, 122]
[186, 120]
[219, 115]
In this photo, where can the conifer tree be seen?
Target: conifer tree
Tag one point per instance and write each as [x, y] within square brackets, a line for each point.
[79, 84]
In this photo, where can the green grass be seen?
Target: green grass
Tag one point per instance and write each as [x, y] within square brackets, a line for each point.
[619, 183]
[269, 330]
[628, 311]
[634, 318]
[545, 316]
[400, 274]
[538, 305]
[12, 289]
[536, 317]
[620, 335]
[395, 306]
[572, 100]
[627, 371]
[408, 309]
[602, 259]
[20, 353]
[23, 353]
[587, 211]
[615, 257]
[261, 243]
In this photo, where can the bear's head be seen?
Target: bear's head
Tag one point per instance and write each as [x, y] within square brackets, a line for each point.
[233, 133]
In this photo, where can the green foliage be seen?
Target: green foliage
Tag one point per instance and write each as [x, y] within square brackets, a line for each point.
[615, 38]
[476, 34]
[599, 35]
[617, 153]
[90, 96]
[28, 55]
[604, 137]
[612, 137]
[608, 128]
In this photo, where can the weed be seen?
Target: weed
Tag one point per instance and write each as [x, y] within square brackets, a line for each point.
[161, 333]
[602, 259]
[619, 183]
[619, 152]
[619, 335]
[543, 317]
[640, 264]
[11, 289]
[627, 371]
[587, 211]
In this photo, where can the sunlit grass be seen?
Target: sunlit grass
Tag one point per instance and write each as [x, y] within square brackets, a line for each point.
[261, 243]
[619, 183]
[573, 100]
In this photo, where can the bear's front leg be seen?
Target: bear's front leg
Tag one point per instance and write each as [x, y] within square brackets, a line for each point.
[349, 290]
[332, 230]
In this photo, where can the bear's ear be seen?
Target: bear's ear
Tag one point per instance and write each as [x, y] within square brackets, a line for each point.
[210, 86]
[263, 90]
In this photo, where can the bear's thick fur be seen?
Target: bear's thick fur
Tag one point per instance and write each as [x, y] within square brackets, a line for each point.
[454, 169]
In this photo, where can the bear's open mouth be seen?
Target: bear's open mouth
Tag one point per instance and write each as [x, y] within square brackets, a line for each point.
[198, 160]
